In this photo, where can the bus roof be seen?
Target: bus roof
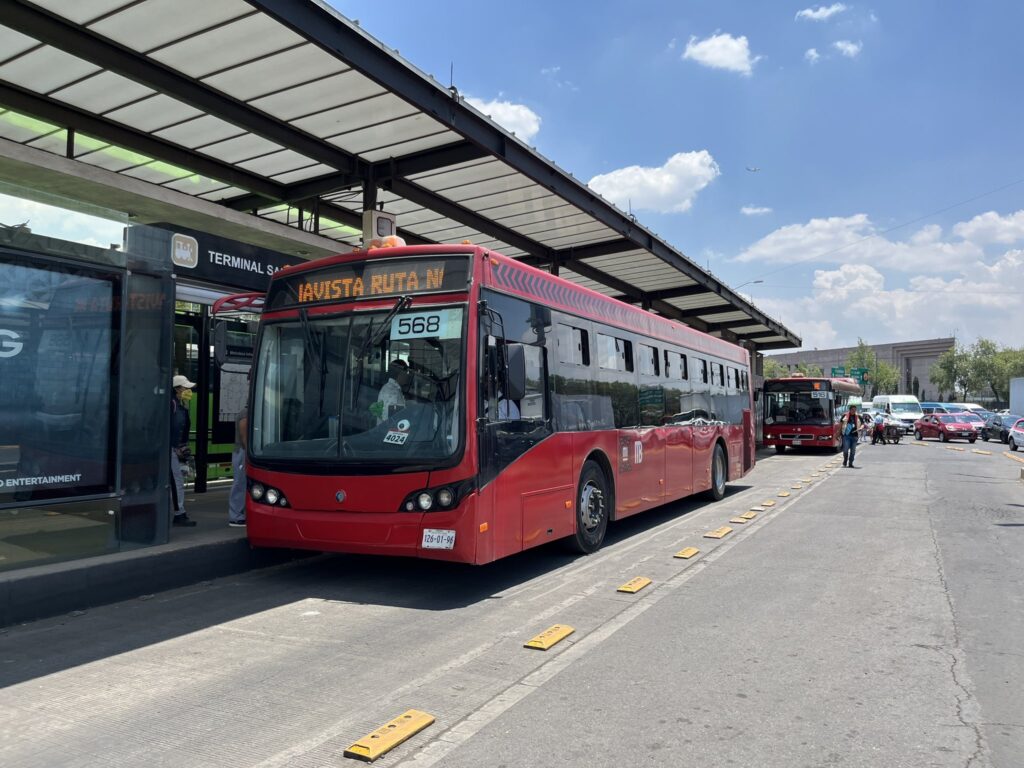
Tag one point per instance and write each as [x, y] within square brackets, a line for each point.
[838, 384]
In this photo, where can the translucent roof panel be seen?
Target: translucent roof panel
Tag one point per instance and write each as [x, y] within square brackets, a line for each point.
[153, 23]
[227, 46]
[318, 96]
[13, 43]
[45, 69]
[15, 126]
[278, 162]
[278, 71]
[196, 185]
[408, 147]
[158, 111]
[302, 174]
[241, 148]
[102, 92]
[374, 136]
[56, 142]
[201, 130]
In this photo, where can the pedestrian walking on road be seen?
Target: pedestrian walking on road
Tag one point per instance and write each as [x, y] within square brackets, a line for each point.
[236, 501]
[848, 428]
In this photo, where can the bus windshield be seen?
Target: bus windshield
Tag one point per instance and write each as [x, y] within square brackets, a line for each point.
[380, 387]
[797, 403]
[905, 407]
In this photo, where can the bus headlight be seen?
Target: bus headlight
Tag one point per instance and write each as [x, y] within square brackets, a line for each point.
[425, 501]
[272, 495]
[256, 491]
[445, 497]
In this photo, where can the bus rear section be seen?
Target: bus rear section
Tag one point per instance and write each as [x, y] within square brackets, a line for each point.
[804, 412]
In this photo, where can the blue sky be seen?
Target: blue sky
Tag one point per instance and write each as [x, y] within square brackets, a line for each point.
[901, 111]
[889, 204]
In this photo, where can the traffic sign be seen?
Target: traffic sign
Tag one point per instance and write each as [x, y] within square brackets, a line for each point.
[840, 371]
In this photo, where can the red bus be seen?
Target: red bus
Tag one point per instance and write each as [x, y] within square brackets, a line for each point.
[804, 411]
[448, 402]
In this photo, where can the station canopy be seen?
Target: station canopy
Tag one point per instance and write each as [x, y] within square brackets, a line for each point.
[287, 110]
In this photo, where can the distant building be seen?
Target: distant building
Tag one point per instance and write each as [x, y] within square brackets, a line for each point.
[913, 359]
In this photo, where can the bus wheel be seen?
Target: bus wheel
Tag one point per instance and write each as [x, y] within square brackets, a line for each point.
[718, 472]
[780, 449]
[592, 509]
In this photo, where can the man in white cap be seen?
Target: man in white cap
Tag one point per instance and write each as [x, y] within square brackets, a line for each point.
[181, 425]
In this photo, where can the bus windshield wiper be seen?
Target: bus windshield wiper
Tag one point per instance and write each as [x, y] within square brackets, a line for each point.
[374, 338]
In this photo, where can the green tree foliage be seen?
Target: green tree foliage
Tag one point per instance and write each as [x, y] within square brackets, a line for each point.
[992, 367]
[886, 378]
[951, 371]
[864, 357]
[773, 369]
[809, 370]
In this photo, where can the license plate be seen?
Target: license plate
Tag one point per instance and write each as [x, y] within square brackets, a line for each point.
[798, 442]
[436, 538]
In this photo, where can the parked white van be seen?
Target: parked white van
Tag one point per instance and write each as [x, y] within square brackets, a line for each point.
[906, 408]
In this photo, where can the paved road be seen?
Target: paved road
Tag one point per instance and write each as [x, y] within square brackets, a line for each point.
[869, 619]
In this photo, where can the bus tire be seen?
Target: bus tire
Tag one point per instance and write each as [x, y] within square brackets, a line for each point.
[719, 473]
[593, 509]
[780, 449]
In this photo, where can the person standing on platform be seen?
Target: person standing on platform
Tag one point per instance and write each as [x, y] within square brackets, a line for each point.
[181, 426]
[236, 501]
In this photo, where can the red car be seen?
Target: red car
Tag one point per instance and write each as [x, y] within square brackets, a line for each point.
[945, 427]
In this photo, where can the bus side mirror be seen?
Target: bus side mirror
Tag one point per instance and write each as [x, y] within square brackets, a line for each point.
[220, 344]
[757, 395]
[232, 346]
[516, 359]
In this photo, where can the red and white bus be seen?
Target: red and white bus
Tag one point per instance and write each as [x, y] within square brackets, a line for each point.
[448, 402]
[804, 411]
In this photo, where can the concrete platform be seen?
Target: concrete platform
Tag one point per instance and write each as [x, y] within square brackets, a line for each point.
[209, 550]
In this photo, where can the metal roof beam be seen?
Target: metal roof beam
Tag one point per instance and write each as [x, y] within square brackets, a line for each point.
[422, 196]
[119, 135]
[607, 248]
[105, 53]
[677, 293]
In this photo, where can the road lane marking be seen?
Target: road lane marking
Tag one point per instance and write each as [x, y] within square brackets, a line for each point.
[686, 554]
[389, 735]
[718, 533]
[769, 503]
[980, 452]
[738, 520]
[1009, 455]
[751, 514]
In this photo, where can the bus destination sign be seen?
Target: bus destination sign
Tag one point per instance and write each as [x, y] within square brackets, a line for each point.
[366, 279]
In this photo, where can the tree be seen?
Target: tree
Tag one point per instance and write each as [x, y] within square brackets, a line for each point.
[951, 371]
[886, 378]
[916, 388]
[773, 369]
[864, 357]
[809, 370]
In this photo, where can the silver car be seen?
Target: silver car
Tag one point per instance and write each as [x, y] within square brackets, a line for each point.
[1016, 437]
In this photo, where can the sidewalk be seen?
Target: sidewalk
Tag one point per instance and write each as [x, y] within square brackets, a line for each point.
[209, 550]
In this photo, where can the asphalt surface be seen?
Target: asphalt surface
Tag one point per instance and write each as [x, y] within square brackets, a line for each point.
[870, 618]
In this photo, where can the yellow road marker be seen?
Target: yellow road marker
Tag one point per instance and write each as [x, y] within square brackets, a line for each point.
[389, 736]
[750, 515]
[768, 503]
[1009, 455]
[815, 474]
[783, 494]
[550, 636]
[686, 554]
[806, 480]
[923, 445]
[796, 486]
[739, 520]
[757, 508]
[634, 585]
[954, 448]
[718, 533]
[980, 452]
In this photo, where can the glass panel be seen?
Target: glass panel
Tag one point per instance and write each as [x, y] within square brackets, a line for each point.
[58, 333]
[372, 388]
[57, 531]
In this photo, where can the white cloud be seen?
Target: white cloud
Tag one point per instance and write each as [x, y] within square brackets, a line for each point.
[849, 49]
[517, 118]
[56, 222]
[553, 75]
[722, 51]
[812, 55]
[990, 227]
[753, 210]
[821, 13]
[855, 240]
[951, 286]
[670, 188]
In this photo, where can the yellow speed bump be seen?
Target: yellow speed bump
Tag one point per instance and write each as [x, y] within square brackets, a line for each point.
[634, 585]
[550, 636]
[718, 533]
[806, 480]
[749, 515]
[757, 508]
[980, 452]
[738, 520]
[954, 448]
[1009, 455]
[796, 486]
[389, 736]
[783, 494]
[686, 554]
[768, 503]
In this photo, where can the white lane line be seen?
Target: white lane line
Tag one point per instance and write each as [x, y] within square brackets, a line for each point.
[470, 725]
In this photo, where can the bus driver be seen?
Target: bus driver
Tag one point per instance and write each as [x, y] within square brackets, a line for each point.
[392, 395]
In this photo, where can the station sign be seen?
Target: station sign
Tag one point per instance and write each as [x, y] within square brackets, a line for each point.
[840, 371]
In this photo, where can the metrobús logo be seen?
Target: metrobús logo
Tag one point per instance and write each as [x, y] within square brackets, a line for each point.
[10, 345]
[184, 251]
